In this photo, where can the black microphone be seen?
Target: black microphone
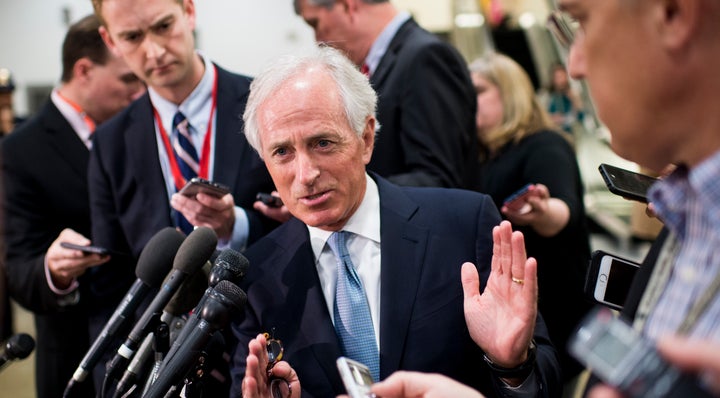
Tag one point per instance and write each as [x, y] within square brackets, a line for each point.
[18, 346]
[184, 300]
[224, 301]
[229, 265]
[154, 262]
[192, 254]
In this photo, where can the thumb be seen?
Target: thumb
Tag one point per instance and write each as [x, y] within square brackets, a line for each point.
[470, 281]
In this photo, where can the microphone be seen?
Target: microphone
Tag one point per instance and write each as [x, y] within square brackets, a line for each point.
[190, 292]
[18, 346]
[220, 305]
[229, 265]
[155, 261]
[192, 254]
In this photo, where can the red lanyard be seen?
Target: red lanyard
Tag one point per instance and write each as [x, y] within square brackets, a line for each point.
[90, 123]
[204, 156]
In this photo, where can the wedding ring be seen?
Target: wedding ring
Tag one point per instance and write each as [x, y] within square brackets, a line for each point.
[518, 281]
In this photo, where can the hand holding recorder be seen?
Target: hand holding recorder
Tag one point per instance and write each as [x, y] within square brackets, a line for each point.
[206, 203]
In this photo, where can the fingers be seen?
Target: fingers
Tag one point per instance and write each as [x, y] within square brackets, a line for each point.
[517, 247]
[470, 281]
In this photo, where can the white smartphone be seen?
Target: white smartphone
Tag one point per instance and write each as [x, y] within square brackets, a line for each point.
[609, 279]
[356, 377]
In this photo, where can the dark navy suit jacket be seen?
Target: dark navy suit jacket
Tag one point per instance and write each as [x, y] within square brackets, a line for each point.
[426, 235]
[426, 109]
[44, 176]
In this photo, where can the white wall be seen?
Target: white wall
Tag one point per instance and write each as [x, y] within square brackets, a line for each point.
[241, 35]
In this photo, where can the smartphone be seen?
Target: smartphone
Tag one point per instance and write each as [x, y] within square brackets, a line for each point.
[86, 249]
[356, 377]
[269, 200]
[518, 200]
[609, 278]
[197, 185]
[621, 357]
[626, 183]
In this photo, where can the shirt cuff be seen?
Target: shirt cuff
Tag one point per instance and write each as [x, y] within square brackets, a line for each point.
[241, 231]
[60, 292]
[528, 388]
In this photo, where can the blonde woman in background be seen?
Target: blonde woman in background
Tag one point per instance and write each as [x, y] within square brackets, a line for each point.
[520, 146]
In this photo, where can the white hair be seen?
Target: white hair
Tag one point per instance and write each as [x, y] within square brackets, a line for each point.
[359, 98]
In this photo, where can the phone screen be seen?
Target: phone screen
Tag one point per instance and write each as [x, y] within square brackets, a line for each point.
[619, 280]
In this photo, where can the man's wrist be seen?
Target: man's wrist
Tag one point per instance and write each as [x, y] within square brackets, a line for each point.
[520, 372]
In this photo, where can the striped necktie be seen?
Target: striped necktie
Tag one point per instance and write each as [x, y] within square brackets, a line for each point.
[353, 323]
[187, 159]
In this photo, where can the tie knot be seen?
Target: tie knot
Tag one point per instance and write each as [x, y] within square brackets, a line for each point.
[178, 118]
[337, 243]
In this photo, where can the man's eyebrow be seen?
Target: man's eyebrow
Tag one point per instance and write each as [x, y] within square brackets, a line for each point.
[162, 21]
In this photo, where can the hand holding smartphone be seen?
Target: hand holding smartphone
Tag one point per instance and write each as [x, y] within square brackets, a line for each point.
[518, 200]
[624, 359]
[200, 185]
[86, 249]
[269, 199]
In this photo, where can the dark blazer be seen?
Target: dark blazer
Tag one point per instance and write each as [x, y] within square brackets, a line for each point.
[128, 198]
[422, 326]
[44, 170]
[426, 110]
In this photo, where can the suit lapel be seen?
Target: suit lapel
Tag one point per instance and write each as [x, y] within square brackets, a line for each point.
[140, 138]
[387, 62]
[65, 140]
[316, 339]
[229, 139]
[402, 255]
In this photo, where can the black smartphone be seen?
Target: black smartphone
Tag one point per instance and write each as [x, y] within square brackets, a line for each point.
[356, 377]
[269, 200]
[86, 249]
[609, 278]
[197, 185]
[518, 200]
[624, 359]
[626, 183]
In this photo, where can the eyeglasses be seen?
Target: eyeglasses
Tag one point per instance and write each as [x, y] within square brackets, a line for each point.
[563, 27]
[279, 387]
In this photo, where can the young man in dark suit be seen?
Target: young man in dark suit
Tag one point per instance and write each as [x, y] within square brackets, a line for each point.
[46, 201]
[139, 164]
[312, 120]
[426, 101]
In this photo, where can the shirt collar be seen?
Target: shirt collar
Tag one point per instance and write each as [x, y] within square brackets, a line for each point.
[685, 190]
[75, 119]
[193, 107]
[381, 44]
[364, 222]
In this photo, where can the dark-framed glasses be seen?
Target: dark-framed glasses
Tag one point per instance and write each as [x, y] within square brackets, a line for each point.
[563, 27]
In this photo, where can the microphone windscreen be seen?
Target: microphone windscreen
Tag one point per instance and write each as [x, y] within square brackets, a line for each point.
[231, 294]
[234, 262]
[190, 292]
[19, 346]
[156, 259]
[196, 250]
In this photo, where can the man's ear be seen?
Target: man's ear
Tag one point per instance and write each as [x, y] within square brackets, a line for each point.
[108, 40]
[679, 22]
[82, 68]
[368, 138]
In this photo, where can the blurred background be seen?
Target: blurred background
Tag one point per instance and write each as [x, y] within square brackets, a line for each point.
[245, 35]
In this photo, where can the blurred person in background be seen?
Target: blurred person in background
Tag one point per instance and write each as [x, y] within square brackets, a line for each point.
[44, 166]
[520, 146]
[426, 103]
[561, 100]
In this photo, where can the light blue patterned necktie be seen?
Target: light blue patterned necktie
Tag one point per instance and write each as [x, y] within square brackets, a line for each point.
[353, 322]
